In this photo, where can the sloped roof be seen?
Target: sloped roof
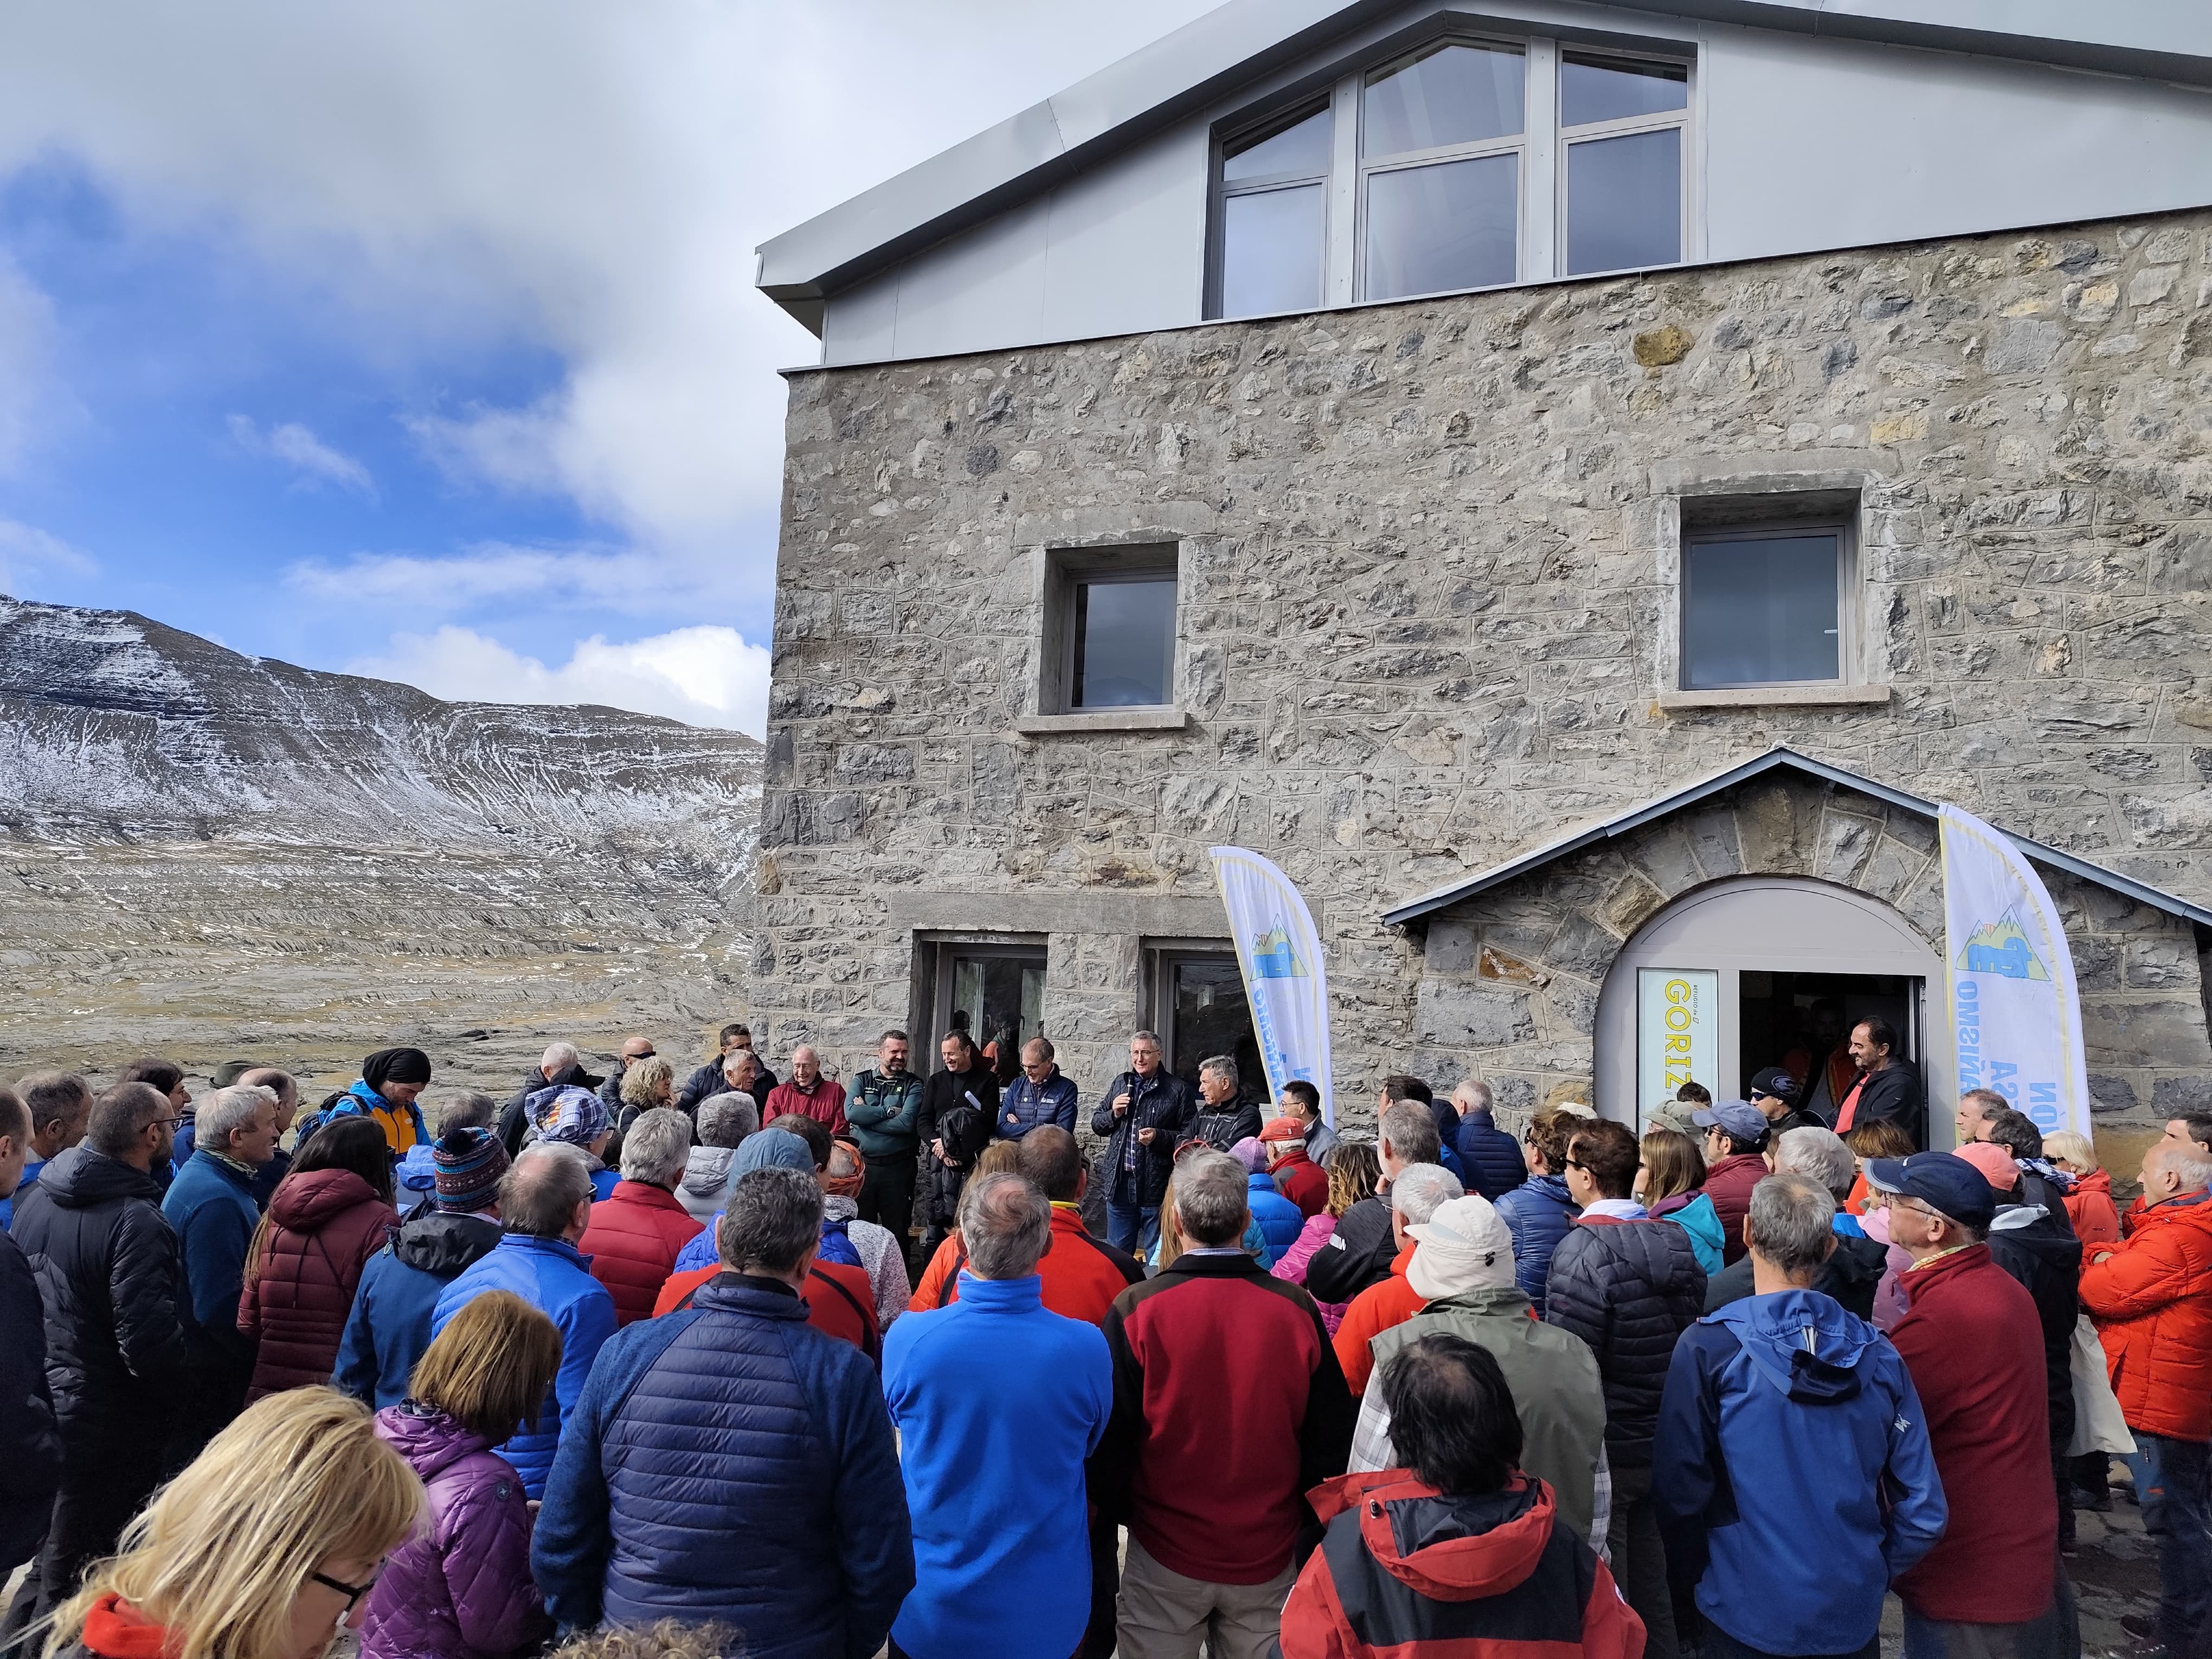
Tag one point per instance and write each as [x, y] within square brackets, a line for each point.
[1778, 758]
[1238, 43]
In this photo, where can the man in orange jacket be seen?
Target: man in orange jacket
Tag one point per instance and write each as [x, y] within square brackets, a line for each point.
[2151, 1296]
[1415, 1196]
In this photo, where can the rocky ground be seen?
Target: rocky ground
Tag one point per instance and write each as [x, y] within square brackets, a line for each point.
[210, 856]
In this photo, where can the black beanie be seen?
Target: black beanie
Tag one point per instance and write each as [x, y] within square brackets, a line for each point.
[395, 1065]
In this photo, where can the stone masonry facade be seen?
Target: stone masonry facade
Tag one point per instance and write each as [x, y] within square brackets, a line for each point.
[1429, 556]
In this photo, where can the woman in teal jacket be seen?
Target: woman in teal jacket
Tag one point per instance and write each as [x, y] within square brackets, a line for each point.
[1670, 1183]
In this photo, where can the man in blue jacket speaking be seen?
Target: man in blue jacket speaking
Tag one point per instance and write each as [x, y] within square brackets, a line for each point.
[1791, 1468]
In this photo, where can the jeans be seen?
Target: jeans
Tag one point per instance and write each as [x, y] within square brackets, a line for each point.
[1132, 1227]
[1719, 1645]
[2038, 1638]
[2170, 1478]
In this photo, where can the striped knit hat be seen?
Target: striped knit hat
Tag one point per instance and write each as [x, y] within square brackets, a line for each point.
[468, 1163]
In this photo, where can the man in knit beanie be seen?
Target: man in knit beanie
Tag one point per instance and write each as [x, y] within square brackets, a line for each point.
[390, 1325]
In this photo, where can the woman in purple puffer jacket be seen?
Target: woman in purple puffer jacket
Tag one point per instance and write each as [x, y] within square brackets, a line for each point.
[460, 1589]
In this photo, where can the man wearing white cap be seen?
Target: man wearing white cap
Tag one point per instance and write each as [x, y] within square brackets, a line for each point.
[1462, 1267]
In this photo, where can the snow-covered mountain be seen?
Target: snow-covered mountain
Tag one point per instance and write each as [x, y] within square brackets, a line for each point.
[214, 856]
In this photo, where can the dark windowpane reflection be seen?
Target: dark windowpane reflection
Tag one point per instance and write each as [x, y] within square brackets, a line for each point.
[1455, 96]
[1212, 1017]
[1124, 643]
[1607, 90]
[1435, 228]
[1624, 202]
[1761, 611]
[1271, 251]
[1300, 150]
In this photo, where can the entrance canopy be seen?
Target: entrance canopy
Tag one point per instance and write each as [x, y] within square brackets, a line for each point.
[1784, 759]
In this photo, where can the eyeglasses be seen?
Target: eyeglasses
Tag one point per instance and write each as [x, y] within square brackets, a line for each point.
[353, 1593]
[1576, 1164]
[163, 1122]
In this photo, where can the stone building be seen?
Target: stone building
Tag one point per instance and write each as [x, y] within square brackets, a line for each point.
[1618, 600]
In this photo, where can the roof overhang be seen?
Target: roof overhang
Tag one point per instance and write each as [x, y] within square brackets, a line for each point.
[1778, 758]
[1244, 41]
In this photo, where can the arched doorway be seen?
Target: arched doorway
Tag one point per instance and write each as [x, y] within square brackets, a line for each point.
[1741, 971]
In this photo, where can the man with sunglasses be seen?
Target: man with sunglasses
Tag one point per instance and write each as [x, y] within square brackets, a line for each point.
[1973, 1343]
[106, 1262]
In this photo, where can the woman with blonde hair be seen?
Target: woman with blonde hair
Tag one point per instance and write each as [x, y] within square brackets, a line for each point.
[2089, 1204]
[461, 1588]
[999, 1158]
[649, 1083]
[267, 1543]
[1354, 1172]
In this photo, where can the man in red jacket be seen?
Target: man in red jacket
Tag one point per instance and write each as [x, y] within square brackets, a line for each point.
[637, 1231]
[1973, 1345]
[1296, 1177]
[1228, 1406]
[1736, 1137]
[2151, 1296]
[809, 1094]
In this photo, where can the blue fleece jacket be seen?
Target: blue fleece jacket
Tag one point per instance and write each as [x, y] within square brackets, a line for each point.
[1001, 1554]
[209, 1206]
[31, 1169]
[555, 1277]
[730, 1464]
[1792, 1472]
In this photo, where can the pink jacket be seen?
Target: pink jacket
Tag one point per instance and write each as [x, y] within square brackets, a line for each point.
[1292, 1266]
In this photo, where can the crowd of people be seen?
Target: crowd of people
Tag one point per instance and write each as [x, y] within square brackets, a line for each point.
[709, 1362]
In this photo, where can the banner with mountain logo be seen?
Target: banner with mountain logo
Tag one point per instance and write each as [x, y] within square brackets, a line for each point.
[2015, 1015]
[1278, 954]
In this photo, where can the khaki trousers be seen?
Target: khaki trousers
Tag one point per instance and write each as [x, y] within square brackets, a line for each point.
[1164, 1615]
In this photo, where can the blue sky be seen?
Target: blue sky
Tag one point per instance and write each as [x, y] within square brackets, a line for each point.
[418, 340]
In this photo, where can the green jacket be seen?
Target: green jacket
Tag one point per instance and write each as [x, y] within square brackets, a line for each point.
[881, 1114]
[1556, 1389]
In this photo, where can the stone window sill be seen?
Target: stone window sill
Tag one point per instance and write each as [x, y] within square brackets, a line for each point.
[1776, 696]
[1085, 720]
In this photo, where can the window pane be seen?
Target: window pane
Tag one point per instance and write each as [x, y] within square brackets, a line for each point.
[1124, 643]
[998, 999]
[1607, 89]
[1624, 202]
[1271, 251]
[1301, 148]
[1434, 229]
[1762, 610]
[1455, 96]
[1212, 1017]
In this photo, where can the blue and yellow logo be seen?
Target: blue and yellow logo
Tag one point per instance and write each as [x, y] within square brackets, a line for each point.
[2001, 948]
[1273, 957]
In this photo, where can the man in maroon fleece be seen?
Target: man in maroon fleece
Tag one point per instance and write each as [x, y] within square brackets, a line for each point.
[1228, 1406]
[1973, 1343]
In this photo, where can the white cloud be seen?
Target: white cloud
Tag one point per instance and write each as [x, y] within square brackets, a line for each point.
[624, 580]
[30, 403]
[315, 461]
[581, 178]
[704, 675]
[28, 552]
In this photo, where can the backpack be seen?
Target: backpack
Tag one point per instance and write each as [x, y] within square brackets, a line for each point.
[837, 1244]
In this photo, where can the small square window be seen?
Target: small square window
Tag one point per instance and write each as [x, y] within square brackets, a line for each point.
[1110, 629]
[1765, 605]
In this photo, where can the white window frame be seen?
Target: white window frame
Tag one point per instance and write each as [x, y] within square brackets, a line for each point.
[1541, 146]
[1625, 127]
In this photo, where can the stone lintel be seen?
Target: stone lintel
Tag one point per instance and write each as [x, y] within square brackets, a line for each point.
[1141, 916]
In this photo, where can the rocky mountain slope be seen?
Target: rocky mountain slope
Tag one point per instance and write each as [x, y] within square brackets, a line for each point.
[211, 856]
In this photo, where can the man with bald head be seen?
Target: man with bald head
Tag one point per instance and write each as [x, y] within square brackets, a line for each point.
[808, 1094]
[115, 1342]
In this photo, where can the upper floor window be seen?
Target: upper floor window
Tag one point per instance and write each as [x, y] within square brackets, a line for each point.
[1466, 164]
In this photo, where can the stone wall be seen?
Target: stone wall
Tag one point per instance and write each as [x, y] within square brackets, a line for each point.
[1428, 552]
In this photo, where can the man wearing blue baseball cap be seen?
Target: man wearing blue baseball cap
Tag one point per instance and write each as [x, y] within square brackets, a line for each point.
[1973, 1343]
[1736, 1137]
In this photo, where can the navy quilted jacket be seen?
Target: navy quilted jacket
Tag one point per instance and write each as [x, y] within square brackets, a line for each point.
[1538, 1213]
[1490, 1159]
[1629, 1289]
[728, 1463]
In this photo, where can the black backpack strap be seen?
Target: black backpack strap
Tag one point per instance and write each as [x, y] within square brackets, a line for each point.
[866, 1315]
[951, 1281]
